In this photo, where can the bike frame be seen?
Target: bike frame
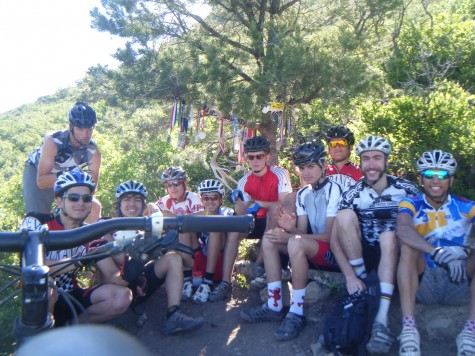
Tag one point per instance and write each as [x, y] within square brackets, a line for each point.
[33, 245]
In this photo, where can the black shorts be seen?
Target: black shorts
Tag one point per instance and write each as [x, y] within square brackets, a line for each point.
[371, 255]
[259, 228]
[62, 311]
[148, 282]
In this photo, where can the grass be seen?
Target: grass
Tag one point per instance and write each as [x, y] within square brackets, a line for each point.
[11, 309]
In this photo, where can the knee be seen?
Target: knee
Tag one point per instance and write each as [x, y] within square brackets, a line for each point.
[121, 299]
[174, 260]
[295, 246]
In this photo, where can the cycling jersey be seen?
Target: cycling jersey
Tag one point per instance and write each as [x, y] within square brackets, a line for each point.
[318, 204]
[191, 204]
[447, 226]
[376, 213]
[267, 188]
[34, 222]
[67, 155]
[348, 175]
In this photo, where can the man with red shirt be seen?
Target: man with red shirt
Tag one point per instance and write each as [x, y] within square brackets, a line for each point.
[265, 185]
[340, 142]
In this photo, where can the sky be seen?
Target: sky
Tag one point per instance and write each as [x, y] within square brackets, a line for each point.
[48, 45]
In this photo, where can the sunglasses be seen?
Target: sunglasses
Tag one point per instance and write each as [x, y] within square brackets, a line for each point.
[172, 184]
[341, 143]
[73, 197]
[210, 198]
[430, 174]
[253, 157]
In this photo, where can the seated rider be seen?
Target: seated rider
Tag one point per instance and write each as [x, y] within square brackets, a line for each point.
[180, 201]
[168, 269]
[305, 238]
[73, 191]
[209, 259]
[436, 264]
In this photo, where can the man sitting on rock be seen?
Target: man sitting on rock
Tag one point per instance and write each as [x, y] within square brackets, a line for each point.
[316, 207]
[436, 264]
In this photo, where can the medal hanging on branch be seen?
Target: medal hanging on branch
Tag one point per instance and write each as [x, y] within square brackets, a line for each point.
[276, 110]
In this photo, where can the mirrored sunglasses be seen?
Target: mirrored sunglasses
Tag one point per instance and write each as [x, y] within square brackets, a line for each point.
[173, 184]
[253, 157]
[341, 143]
[430, 174]
[73, 197]
[210, 198]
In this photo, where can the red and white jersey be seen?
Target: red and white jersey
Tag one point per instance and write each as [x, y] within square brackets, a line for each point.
[348, 175]
[266, 188]
[191, 204]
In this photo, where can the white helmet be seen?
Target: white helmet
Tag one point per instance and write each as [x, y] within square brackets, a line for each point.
[373, 143]
[211, 185]
[437, 159]
[131, 186]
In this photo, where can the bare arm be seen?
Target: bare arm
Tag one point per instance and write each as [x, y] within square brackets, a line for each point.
[408, 235]
[45, 179]
[95, 166]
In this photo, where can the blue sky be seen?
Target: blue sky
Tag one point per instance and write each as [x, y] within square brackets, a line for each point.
[47, 45]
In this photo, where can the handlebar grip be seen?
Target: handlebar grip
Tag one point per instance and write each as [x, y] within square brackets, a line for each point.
[216, 223]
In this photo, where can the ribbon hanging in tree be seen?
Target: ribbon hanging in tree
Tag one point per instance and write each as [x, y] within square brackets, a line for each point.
[221, 134]
[174, 114]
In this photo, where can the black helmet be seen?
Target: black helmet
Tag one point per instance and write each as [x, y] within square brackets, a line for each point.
[342, 132]
[309, 152]
[82, 115]
[173, 173]
[256, 143]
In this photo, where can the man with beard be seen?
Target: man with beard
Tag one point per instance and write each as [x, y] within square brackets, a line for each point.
[364, 238]
[436, 264]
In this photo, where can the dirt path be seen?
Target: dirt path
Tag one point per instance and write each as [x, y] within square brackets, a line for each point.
[226, 334]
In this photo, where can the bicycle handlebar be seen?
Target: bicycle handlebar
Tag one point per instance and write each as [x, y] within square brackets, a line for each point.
[58, 240]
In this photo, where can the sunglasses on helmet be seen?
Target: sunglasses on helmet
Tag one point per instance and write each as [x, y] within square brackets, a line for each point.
[430, 174]
[73, 197]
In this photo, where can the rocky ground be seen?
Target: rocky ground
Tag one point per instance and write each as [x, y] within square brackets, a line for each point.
[226, 334]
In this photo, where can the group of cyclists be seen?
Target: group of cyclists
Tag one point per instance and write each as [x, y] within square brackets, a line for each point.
[344, 217]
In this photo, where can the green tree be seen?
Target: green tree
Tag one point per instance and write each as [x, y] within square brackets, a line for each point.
[244, 54]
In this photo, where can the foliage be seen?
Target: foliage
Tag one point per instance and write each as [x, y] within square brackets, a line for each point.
[445, 121]
[9, 310]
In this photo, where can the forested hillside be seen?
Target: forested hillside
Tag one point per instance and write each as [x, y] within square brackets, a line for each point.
[401, 69]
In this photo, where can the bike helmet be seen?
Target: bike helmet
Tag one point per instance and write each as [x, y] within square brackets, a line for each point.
[211, 185]
[437, 159]
[309, 152]
[82, 115]
[256, 143]
[373, 143]
[173, 173]
[340, 132]
[73, 179]
[130, 186]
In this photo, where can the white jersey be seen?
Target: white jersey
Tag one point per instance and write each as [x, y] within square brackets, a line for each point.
[318, 204]
[191, 204]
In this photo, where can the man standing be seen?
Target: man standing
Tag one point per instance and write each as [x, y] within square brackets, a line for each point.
[62, 151]
[340, 142]
[436, 264]
[364, 235]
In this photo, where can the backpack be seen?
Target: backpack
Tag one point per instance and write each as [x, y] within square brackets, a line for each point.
[348, 329]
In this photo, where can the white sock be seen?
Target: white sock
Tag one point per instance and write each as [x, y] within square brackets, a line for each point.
[298, 298]
[274, 294]
[359, 267]
[384, 303]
